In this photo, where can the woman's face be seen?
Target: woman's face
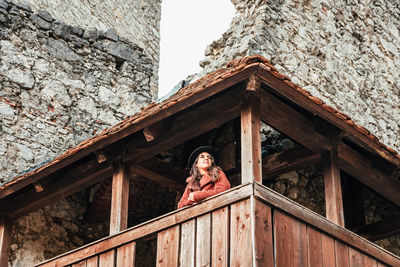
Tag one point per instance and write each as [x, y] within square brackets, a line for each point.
[204, 161]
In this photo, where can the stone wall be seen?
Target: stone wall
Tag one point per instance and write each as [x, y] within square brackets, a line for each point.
[61, 85]
[345, 52]
[53, 230]
[137, 20]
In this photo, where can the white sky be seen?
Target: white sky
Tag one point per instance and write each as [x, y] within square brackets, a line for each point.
[187, 27]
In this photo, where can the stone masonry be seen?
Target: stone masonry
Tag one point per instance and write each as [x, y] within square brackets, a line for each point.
[345, 52]
[61, 85]
[136, 20]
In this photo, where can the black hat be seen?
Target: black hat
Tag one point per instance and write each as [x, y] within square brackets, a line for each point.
[198, 151]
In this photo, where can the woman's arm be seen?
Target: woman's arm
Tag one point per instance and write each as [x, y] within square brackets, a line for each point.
[220, 186]
[185, 199]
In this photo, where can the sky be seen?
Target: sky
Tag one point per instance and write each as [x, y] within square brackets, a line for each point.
[187, 27]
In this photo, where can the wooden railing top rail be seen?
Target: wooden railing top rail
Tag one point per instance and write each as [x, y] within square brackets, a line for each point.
[228, 197]
[155, 225]
[293, 208]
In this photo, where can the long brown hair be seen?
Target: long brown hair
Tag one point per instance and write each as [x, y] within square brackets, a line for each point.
[195, 175]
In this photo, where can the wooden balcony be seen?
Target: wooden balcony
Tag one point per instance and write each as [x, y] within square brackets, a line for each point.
[249, 225]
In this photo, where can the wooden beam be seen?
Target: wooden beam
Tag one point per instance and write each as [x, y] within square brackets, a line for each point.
[165, 111]
[100, 156]
[5, 237]
[380, 230]
[360, 167]
[59, 189]
[119, 199]
[251, 141]
[186, 126]
[333, 188]
[283, 89]
[156, 177]
[292, 123]
[288, 160]
[298, 127]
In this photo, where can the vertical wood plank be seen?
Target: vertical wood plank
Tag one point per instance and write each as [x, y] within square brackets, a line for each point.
[264, 248]
[5, 235]
[168, 247]
[333, 188]
[368, 261]
[79, 264]
[107, 259]
[355, 258]
[220, 237]
[291, 241]
[203, 240]
[314, 239]
[251, 141]
[241, 235]
[188, 238]
[119, 199]
[126, 255]
[328, 251]
[92, 262]
[341, 254]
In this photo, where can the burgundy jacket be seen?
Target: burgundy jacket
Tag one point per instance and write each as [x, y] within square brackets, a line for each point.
[207, 189]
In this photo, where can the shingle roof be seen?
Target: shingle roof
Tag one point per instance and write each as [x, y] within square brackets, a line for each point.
[232, 68]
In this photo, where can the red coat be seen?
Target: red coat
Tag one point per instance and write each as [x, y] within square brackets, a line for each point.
[208, 189]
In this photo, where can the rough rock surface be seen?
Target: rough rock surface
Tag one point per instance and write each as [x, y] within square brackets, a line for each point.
[137, 20]
[345, 52]
[61, 85]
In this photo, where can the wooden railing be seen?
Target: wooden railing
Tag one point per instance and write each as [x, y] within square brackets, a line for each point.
[249, 225]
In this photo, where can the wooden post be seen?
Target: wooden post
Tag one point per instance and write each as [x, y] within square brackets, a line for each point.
[333, 189]
[5, 234]
[251, 141]
[119, 199]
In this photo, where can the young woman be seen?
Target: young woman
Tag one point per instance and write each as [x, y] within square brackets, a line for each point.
[206, 178]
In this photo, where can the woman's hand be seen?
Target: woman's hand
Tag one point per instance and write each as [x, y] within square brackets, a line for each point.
[191, 197]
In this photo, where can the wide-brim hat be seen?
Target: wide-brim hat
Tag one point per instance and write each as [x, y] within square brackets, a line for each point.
[197, 151]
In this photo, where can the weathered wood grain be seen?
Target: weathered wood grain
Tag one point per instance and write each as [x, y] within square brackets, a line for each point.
[290, 241]
[262, 234]
[251, 141]
[168, 247]
[107, 259]
[203, 240]
[126, 255]
[220, 238]
[333, 187]
[188, 239]
[241, 244]
[119, 198]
